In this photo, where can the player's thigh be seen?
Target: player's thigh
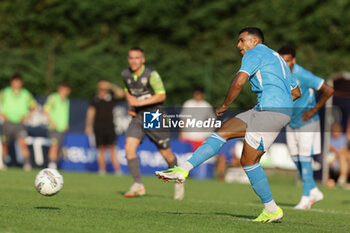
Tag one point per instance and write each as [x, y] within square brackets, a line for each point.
[263, 128]
[8, 132]
[232, 128]
[292, 142]
[317, 139]
[135, 128]
[56, 138]
[20, 131]
[309, 139]
[160, 137]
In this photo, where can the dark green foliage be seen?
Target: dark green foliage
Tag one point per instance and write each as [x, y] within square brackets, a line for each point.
[188, 42]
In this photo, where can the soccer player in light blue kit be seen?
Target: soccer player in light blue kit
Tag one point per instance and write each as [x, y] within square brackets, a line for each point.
[270, 79]
[303, 131]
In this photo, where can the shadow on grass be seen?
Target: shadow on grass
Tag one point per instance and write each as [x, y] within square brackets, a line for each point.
[281, 204]
[186, 214]
[239, 216]
[147, 195]
[247, 217]
[347, 202]
[46, 208]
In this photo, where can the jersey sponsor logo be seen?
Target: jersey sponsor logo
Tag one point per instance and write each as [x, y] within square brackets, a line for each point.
[151, 120]
[144, 81]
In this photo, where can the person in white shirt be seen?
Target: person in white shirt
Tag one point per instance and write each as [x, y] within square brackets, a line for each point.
[200, 110]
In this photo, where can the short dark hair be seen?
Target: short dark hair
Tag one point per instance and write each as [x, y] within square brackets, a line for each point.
[136, 49]
[103, 80]
[287, 49]
[253, 31]
[64, 83]
[16, 77]
[199, 89]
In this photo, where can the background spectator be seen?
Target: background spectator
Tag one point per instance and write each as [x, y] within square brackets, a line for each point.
[17, 104]
[199, 109]
[99, 121]
[339, 158]
[56, 109]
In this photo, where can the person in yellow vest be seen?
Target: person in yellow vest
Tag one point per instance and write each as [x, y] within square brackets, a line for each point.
[56, 109]
[17, 104]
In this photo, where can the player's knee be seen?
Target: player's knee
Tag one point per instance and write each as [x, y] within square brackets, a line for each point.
[130, 149]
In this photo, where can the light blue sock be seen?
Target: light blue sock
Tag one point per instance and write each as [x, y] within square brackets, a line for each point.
[297, 163]
[307, 174]
[259, 182]
[207, 150]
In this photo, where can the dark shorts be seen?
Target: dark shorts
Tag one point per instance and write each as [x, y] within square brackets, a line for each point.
[12, 131]
[105, 137]
[56, 138]
[161, 137]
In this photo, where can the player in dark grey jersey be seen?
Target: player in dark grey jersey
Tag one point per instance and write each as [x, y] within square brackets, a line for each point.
[144, 91]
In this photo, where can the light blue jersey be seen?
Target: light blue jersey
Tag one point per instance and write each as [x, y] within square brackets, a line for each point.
[307, 82]
[270, 79]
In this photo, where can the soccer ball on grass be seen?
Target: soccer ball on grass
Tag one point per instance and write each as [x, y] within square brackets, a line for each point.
[48, 182]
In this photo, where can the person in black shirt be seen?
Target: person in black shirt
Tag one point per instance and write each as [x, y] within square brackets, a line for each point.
[99, 121]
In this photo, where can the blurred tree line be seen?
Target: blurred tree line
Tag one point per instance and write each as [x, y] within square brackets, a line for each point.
[188, 42]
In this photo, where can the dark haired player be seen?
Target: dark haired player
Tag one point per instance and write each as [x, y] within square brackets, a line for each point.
[270, 79]
[303, 131]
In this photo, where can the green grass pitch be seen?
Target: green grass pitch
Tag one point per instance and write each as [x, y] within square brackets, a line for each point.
[92, 203]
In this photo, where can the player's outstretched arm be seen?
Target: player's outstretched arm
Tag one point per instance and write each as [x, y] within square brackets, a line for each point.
[235, 88]
[327, 91]
[118, 91]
